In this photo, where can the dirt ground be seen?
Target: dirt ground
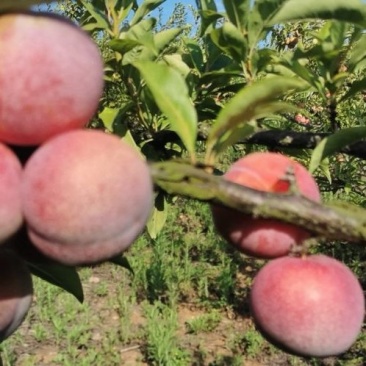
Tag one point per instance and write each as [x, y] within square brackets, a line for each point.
[221, 346]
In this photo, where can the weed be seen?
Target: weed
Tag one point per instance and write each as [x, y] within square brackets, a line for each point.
[250, 343]
[221, 360]
[162, 345]
[188, 264]
[204, 323]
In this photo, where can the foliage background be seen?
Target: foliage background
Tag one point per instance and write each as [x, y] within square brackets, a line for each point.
[287, 79]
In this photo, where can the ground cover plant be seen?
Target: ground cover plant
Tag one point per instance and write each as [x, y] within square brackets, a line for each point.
[247, 124]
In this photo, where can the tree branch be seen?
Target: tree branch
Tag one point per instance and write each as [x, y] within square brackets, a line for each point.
[274, 139]
[337, 223]
[301, 140]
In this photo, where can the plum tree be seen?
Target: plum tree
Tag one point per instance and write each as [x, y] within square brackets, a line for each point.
[86, 196]
[16, 291]
[51, 77]
[11, 216]
[311, 306]
[264, 238]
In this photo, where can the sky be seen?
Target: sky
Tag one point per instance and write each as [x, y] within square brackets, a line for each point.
[168, 6]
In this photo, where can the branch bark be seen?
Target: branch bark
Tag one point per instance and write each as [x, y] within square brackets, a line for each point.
[335, 223]
[275, 139]
[301, 140]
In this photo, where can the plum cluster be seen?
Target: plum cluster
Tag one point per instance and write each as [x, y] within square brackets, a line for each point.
[309, 305]
[83, 196]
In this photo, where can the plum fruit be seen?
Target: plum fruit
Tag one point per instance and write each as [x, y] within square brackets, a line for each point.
[86, 196]
[10, 185]
[310, 306]
[51, 77]
[264, 238]
[16, 292]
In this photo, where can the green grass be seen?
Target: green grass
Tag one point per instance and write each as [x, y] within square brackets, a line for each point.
[186, 304]
[204, 323]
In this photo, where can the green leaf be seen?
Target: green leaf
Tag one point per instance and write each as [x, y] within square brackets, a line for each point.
[208, 20]
[337, 33]
[41, 266]
[229, 39]
[62, 276]
[194, 57]
[159, 215]
[334, 143]
[356, 87]
[164, 38]
[145, 8]
[138, 39]
[254, 101]
[304, 72]
[325, 169]
[261, 12]
[108, 117]
[235, 134]
[114, 121]
[357, 54]
[208, 12]
[101, 20]
[122, 8]
[238, 12]
[221, 81]
[161, 41]
[221, 78]
[142, 33]
[122, 261]
[267, 9]
[176, 62]
[123, 45]
[351, 11]
[171, 95]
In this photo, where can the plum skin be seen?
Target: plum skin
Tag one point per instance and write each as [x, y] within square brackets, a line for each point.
[312, 306]
[16, 292]
[51, 77]
[264, 238]
[11, 217]
[86, 196]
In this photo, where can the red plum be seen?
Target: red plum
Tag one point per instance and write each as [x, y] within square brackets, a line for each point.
[310, 306]
[10, 185]
[51, 77]
[16, 292]
[264, 238]
[86, 196]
